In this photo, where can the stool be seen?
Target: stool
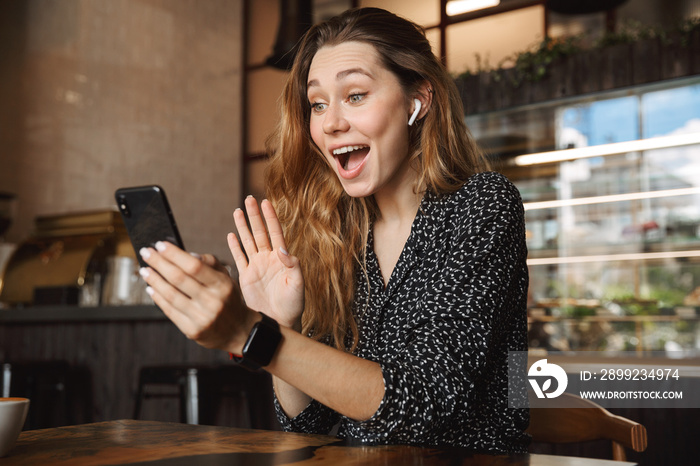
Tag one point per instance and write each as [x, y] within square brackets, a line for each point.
[184, 378]
[51, 386]
[200, 389]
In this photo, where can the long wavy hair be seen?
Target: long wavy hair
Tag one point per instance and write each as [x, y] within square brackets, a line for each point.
[325, 227]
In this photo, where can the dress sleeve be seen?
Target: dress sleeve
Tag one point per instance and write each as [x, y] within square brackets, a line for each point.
[462, 326]
[314, 419]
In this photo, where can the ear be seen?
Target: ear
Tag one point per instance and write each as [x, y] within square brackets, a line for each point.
[424, 95]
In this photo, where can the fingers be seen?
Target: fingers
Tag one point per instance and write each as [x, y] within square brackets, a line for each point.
[277, 235]
[273, 225]
[169, 299]
[257, 224]
[247, 240]
[255, 239]
[166, 296]
[177, 317]
[263, 238]
[185, 272]
[237, 253]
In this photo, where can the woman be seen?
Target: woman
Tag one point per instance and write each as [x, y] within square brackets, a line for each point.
[407, 284]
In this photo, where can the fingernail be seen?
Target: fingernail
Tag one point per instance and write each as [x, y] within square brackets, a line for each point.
[150, 291]
[145, 253]
[284, 251]
[194, 254]
[143, 271]
[160, 246]
[249, 196]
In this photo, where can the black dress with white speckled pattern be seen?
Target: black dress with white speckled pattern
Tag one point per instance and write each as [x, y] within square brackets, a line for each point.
[442, 328]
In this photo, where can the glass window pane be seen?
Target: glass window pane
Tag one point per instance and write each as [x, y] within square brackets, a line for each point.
[673, 168]
[601, 122]
[671, 111]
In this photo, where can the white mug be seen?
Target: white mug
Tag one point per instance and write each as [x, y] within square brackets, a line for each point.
[13, 412]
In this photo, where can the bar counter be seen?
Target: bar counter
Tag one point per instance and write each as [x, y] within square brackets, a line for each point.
[44, 314]
[109, 345]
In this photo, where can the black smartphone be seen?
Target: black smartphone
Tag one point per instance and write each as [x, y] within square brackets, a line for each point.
[147, 216]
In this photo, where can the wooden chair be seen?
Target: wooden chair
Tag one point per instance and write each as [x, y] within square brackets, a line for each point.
[570, 419]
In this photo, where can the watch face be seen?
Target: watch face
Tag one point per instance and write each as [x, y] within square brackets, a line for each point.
[262, 342]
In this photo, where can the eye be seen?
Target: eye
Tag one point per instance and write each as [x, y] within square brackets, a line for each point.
[318, 107]
[356, 98]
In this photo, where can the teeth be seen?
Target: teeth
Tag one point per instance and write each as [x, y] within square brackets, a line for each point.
[346, 149]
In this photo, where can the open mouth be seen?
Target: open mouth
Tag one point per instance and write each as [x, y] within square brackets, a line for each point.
[351, 157]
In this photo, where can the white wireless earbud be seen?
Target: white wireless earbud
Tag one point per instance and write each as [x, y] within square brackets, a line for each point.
[415, 112]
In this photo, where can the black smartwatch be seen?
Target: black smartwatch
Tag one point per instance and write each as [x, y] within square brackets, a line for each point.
[261, 344]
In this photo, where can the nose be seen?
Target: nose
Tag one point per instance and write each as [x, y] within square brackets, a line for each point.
[334, 120]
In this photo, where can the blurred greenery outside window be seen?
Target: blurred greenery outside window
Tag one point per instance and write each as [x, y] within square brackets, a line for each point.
[603, 263]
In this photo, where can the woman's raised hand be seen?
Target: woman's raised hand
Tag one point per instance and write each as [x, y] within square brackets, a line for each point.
[271, 280]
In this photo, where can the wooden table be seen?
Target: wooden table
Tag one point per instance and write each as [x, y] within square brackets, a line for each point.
[162, 443]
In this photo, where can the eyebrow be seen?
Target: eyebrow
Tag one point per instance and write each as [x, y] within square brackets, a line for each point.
[342, 75]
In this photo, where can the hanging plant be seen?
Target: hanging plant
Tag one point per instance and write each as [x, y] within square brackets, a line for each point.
[629, 33]
[534, 64]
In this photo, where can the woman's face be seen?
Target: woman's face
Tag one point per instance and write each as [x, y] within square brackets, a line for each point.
[359, 119]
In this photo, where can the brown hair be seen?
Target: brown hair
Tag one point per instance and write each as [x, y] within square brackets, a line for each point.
[323, 226]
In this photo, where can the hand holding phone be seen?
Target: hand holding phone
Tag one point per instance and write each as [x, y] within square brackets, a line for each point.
[147, 217]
